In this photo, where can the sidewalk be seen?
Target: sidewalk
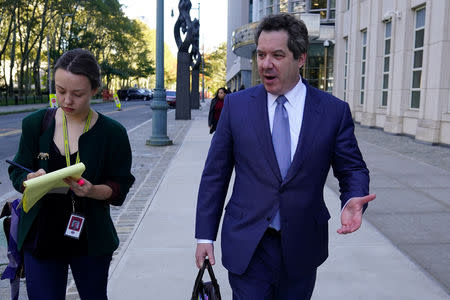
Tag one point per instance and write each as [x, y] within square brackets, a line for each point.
[157, 262]
[155, 259]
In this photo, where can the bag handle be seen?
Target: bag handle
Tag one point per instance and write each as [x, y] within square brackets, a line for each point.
[213, 279]
[198, 280]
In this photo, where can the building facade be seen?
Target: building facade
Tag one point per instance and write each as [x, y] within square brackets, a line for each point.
[243, 19]
[392, 65]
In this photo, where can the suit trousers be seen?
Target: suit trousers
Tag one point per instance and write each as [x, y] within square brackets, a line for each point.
[266, 276]
[47, 278]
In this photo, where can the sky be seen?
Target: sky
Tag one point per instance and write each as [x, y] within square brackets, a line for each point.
[213, 19]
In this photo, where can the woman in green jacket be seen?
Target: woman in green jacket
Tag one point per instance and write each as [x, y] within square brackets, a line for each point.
[76, 133]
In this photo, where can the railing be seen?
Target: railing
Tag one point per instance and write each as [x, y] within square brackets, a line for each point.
[6, 99]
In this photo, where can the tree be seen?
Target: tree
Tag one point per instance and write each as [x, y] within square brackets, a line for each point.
[216, 67]
[170, 61]
[122, 46]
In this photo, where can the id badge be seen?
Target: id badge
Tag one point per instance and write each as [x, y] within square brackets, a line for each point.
[74, 226]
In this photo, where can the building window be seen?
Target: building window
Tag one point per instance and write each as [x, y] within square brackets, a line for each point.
[284, 7]
[261, 9]
[296, 6]
[363, 64]
[348, 4]
[326, 9]
[387, 58]
[250, 11]
[419, 33]
[319, 6]
[269, 7]
[345, 68]
[332, 10]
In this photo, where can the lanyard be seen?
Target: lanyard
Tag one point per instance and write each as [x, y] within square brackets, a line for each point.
[66, 137]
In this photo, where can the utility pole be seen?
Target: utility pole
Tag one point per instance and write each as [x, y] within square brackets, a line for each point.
[159, 104]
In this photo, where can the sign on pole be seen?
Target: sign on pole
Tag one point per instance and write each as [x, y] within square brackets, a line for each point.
[53, 102]
[117, 101]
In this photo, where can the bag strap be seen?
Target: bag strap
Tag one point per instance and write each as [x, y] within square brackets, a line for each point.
[213, 279]
[198, 280]
[48, 118]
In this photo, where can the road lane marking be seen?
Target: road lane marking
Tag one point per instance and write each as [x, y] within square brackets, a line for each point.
[126, 109]
[11, 132]
[19, 131]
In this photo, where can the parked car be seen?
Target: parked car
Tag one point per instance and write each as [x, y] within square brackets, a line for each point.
[150, 92]
[171, 98]
[134, 94]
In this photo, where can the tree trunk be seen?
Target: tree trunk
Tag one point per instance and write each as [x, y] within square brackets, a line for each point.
[37, 61]
[12, 58]
[25, 54]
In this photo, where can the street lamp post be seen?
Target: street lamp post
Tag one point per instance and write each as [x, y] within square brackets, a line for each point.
[202, 58]
[159, 104]
[203, 74]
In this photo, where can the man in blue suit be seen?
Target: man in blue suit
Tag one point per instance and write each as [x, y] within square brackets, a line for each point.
[280, 138]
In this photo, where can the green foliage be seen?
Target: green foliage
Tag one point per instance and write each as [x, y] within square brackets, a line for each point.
[216, 68]
[47, 28]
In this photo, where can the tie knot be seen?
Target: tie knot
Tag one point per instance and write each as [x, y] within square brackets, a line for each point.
[281, 99]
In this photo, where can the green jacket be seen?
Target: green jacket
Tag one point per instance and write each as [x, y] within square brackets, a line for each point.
[104, 149]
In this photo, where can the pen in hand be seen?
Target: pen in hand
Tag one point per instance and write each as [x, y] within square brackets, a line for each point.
[19, 166]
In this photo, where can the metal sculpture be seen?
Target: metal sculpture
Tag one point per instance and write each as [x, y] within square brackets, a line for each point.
[183, 25]
[196, 58]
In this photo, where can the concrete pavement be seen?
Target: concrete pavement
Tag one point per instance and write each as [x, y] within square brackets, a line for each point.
[158, 260]
[156, 224]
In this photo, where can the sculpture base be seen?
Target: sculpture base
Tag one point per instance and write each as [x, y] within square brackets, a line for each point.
[159, 141]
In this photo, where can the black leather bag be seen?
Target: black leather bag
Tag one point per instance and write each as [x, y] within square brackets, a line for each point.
[206, 290]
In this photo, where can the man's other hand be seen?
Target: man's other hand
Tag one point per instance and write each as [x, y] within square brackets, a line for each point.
[204, 250]
[351, 216]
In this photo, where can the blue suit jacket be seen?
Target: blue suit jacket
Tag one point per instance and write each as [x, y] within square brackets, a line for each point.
[243, 142]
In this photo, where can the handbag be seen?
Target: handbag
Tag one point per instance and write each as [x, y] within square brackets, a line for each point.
[206, 290]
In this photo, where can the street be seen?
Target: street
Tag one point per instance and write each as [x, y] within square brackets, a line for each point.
[132, 114]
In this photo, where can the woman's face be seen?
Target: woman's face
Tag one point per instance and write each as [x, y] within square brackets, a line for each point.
[73, 92]
[221, 94]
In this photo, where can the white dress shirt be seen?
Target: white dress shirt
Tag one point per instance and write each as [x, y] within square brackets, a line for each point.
[295, 106]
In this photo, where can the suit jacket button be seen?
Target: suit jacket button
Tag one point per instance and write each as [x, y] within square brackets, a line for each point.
[268, 218]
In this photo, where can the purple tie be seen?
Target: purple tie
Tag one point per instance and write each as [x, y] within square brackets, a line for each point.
[281, 139]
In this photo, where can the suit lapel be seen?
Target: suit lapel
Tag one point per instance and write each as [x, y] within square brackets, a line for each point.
[259, 117]
[308, 132]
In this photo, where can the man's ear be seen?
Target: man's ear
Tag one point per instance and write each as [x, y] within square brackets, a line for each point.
[302, 60]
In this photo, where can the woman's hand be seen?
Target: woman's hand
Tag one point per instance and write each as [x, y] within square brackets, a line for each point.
[81, 187]
[38, 173]
[84, 188]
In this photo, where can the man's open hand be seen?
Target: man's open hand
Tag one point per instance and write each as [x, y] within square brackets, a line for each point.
[351, 216]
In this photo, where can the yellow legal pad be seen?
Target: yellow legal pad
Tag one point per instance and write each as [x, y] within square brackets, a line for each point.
[37, 187]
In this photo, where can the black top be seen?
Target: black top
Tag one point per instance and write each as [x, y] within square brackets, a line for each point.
[46, 236]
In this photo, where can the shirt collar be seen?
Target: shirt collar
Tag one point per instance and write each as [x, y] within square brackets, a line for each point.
[293, 96]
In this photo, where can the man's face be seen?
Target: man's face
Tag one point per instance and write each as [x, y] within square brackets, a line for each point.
[278, 69]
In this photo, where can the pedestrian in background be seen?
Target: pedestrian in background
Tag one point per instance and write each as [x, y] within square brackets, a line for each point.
[280, 137]
[75, 133]
[216, 108]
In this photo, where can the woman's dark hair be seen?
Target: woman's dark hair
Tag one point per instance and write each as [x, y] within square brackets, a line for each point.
[221, 88]
[296, 29]
[81, 62]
